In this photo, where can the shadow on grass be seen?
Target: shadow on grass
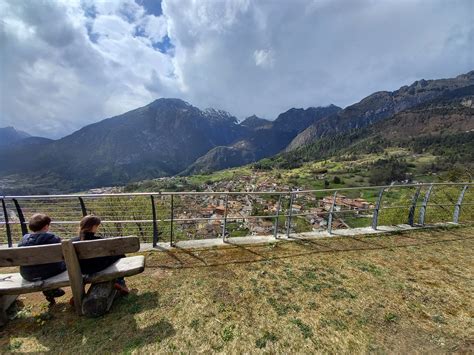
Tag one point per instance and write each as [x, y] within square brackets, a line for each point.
[247, 249]
[302, 247]
[118, 330]
[190, 253]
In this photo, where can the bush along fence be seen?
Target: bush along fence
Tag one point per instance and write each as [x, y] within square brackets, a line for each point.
[169, 217]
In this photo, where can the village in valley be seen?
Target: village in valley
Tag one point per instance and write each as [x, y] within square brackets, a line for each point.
[256, 207]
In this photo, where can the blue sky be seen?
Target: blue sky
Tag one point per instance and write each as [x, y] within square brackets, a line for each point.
[152, 7]
[68, 63]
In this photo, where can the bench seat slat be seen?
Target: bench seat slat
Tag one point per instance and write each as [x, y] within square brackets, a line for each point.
[123, 267]
[13, 283]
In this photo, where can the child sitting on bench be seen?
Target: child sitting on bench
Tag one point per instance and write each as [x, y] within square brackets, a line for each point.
[39, 225]
[87, 229]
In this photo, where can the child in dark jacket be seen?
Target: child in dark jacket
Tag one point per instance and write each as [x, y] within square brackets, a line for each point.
[39, 225]
[87, 229]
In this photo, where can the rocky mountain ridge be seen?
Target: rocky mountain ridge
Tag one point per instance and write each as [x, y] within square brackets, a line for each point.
[170, 136]
[379, 106]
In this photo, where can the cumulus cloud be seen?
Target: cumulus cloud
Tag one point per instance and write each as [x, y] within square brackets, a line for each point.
[68, 63]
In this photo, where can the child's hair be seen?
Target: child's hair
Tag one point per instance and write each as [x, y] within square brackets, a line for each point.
[87, 223]
[38, 221]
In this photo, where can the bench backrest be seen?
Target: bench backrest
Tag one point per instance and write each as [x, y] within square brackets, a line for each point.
[43, 254]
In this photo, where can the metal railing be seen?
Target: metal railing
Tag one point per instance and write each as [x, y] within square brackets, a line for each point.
[174, 216]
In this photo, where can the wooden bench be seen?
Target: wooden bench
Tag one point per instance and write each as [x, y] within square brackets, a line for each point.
[101, 290]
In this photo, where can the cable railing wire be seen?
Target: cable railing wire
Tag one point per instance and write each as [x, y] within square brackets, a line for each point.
[178, 215]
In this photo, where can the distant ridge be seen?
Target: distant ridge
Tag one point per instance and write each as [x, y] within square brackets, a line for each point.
[380, 105]
[170, 136]
[9, 135]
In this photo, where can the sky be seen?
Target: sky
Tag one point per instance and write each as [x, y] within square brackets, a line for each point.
[68, 63]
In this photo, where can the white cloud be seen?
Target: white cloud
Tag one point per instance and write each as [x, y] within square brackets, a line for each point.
[68, 63]
[264, 58]
[314, 52]
[155, 27]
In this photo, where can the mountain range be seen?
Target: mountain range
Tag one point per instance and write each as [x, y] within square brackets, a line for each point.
[442, 127]
[10, 135]
[170, 137]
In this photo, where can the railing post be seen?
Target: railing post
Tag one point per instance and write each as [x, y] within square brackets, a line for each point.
[421, 219]
[172, 221]
[331, 211]
[24, 230]
[290, 212]
[457, 207]
[224, 225]
[155, 223]
[275, 228]
[414, 200]
[83, 207]
[7, 224]
[375, 219]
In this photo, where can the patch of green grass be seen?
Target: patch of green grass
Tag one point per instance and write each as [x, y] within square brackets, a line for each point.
[337, 324]
[283, 309]
[194, 324]
[319, 287]
[264, 339]
[363, 320]
[227, 333]
[15, 344]
[370, 268]
[134, 344]
[438, 318]
[305, 329]
[391, 317]
[341, 293]
[163, 329]
[310, 275]
[23, 312]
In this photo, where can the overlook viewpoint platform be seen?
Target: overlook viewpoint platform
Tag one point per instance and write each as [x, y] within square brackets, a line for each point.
[210, 217]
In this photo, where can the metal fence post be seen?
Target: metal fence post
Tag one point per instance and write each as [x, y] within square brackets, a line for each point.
[290, 210]
[83, 207]
[331, 211]
[24, 230]
[172, 220]
[457, 207]
[155, 223]
[224, 225]
[7, 224]
[411, 213]
[275, 228]
[421, 219]
[375, 219]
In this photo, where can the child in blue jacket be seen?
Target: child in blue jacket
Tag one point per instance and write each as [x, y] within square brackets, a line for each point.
[39, 225]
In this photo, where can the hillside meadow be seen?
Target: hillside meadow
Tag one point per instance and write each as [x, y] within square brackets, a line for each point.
[397, 293]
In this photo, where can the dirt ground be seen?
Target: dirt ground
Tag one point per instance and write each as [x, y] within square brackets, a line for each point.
[407, 292]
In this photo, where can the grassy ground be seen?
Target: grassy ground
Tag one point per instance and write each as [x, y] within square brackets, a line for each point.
[406, 292]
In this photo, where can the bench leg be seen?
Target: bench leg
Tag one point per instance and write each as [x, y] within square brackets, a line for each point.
[5, 302]
[99, 299]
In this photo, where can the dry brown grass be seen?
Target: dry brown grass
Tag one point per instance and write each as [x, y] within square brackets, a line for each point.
[407, 292]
